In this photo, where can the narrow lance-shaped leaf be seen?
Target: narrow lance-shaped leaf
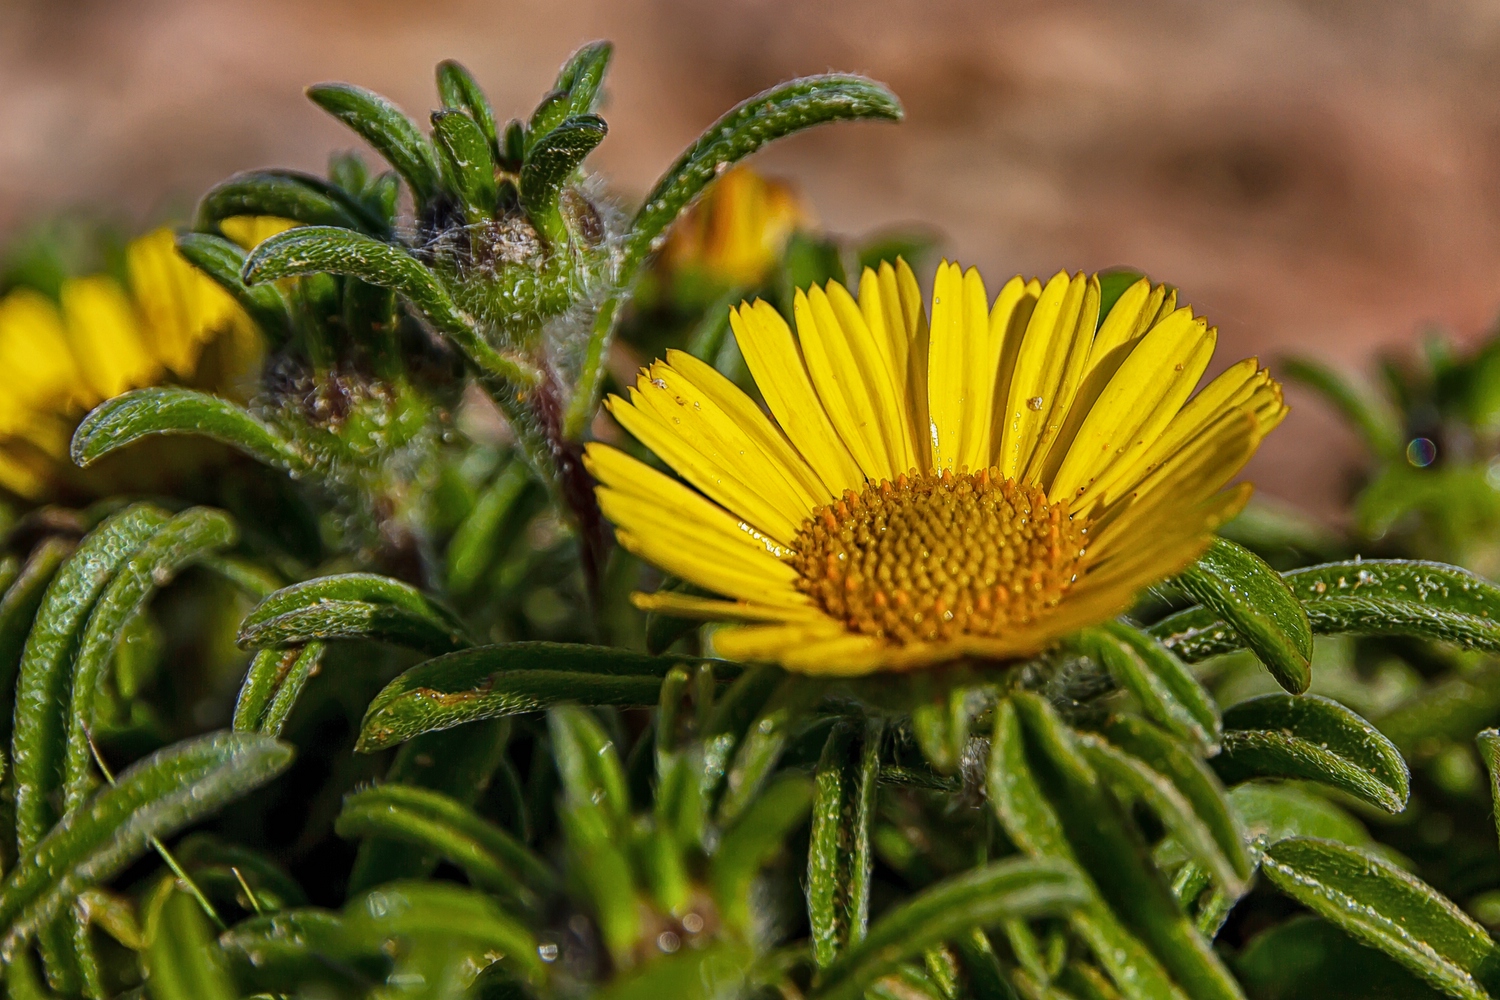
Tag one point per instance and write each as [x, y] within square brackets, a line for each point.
[1253, 599]
[18, 609]
[153, 798]
[588, 762]
[43, 691]
[583, 74]
[763, 744]
[182, 958]
[1388, 909]
[329, 250]
[491, 682]
[748, 845]
[770, 115]
[985, 896]
[295, 949]
[460, 764]
[181, 541]
[491, 526]
[1112, 849]
[457, 88]
[1032, 822]
[284, 194]
[1489, 749]
[1166, 690]
[272, 685]
[1192, 778]
[352, 606]
[549, 166]
[445, 912]
[385, 127]
[1316, 738]
[222, 261]
[1362, 597]
[170, 410]
[467, 162]
[1139, 781]
[839, 859]
[433, 822]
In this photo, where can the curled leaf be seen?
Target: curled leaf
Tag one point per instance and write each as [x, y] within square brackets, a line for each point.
[352, 606]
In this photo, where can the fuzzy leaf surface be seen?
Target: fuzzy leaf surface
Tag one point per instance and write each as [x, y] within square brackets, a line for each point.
[489, 682]
[284, 194]
[170, 410]
[352, 606]
[1316, 738]
[1388, 909]
[386, 128]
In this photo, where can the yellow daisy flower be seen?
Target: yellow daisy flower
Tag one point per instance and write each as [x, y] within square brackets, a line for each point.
[977, 485]
[98, 340]
[736, 232]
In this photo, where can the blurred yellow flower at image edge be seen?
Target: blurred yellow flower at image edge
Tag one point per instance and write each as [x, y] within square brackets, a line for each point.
[979, 483]
[99, 339]
[736, 233]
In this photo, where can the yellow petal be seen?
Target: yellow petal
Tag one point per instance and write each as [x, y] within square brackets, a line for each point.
[841, 385]
[766, 343]
[684, 449]
[886, 389]
[709, 609]
[909, 294]
[1049, 367]
[106, 336]
[960, 378]
[1139, 402]
[41, 374]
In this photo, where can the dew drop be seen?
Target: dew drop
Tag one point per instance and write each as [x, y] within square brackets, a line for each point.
[1034, 403]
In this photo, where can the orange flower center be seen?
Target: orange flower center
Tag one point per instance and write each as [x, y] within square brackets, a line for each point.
[934, 556]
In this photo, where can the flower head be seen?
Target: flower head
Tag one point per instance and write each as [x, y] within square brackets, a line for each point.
[99, 339]
[736, 233]
[977, 485]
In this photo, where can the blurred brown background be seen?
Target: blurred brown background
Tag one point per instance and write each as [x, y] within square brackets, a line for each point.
[1318, 177]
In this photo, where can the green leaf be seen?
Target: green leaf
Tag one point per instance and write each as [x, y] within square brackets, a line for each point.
[1363, 597]
[329, 250]
[494, 681]
[1452, 709]
[285, 194]
[770, 115]
[182, 958]
[1387, 909]
[180, 542]
[583, 74]
[43, 690]
[588, 762]
[1489, 749]
[1309, 959]
[18, 610]
[1181, 789]
[839, 861]
[385, 127]
[1113, 851]
[487, 532]
[292, 951]
[459, 763]
[272, 685]
[170, 410]
[985, 896]
[443, 912]
[467, 162]
[457, 88]
[433, 822]
[1272, 812]
[153, 798]
[550, 164]
[750, 843]
[1245, 592]
[1166, 690]
[1282, 736]
[1032, 821]
[352, 606]
[222, 261]
[1371, 416]
[715, 972]
[763, 744]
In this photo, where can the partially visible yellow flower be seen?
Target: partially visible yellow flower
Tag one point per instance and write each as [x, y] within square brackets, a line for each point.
[99, 339]
[979, 485]
[736, 233]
